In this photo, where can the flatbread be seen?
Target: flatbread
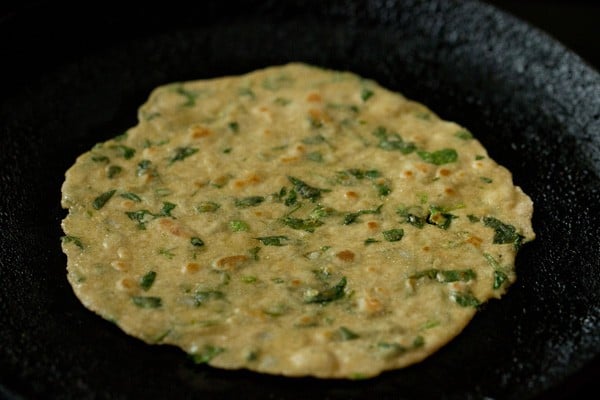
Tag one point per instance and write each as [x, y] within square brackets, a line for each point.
[293, 220]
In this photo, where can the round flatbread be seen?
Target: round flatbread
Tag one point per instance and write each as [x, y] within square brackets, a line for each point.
[293, 220]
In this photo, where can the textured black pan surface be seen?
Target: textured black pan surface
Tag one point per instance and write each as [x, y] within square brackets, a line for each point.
[69, 82]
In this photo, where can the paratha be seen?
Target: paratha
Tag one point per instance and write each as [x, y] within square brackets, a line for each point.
[293, 220]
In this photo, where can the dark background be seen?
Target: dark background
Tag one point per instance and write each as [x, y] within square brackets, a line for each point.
[573, 23]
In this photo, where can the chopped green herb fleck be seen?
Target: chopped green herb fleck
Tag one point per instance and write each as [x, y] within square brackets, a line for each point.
[102, 159]
[446, 276]
[250, 201]
[162, 192]
[464, 134]
[412, 218]
[438, 157]
[307, 225]
[346, 334]
[352, 217]
[72, 239]
[182, 153]
[280, 101]
[124, 151]
[369, 241]
[147, 301]
[207, 354]
[244, 91]
[249, 279]
[227, 150]
[317, 139]
[276, 310]
[418, 341]
[131, 196]
[393, 235]
[167, 253]
[147, 280]
[273, 240]
[485, 179]
[393, 141]
[143, 167]
[254, 253]
[142, 217]
[390, 350]
[327, 295]
[465, 299]
[365, 94]
[321, 212]
[196, 241]
[234, 126]
[237, 225]
[478, 157]
[472, 218]
[101, 200]
[166, 209]
[207, 206]
[291, 199]
[439, 217]
[190, 97]
[202, 297]
[383, 189]
[503, 233]
[429, 324]
[314, 156]
[499, 279]
[306, 191]
[113, 171]
[322, 274]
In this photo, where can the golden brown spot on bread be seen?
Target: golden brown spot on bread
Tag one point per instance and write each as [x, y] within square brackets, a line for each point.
[445, 172]
[174, 228]
[319, 115]
[313, 97]
[119, 265]
[230, 262]
[372, 225]
[449, 191]
[423, 167]
[370, 305]
[289, 159]
[251, 179]
[126, 284]
[190, 268]
[200, 132]
[474, 240]
[345, 255]
[127, 203]
[408, 173]
[351, 195]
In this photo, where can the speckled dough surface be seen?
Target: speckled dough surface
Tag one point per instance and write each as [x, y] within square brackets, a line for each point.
[293, 220]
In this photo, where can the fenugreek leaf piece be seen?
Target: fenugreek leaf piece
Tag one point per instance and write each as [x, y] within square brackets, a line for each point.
[101, 200]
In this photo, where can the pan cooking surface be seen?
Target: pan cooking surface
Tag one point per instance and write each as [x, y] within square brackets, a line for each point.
[73, 82]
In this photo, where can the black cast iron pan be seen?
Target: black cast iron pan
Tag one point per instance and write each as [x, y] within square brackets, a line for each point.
[74, 77]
